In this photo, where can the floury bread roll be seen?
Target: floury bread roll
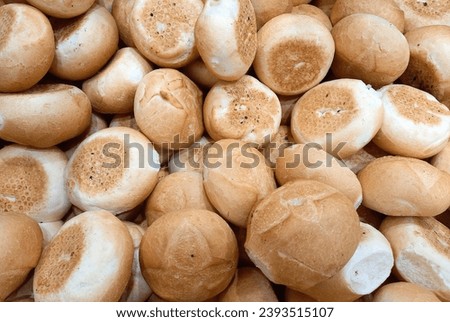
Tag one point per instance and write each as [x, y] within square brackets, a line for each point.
[314, 12]
[121, 11]
[424, 13]
[268, 9]
[245, 110]
[236, 177]
[226, 37]
[163, 31]
[188, 255]
[366, 270]
[44, 115]
[421, 251]
[113, 169]
[27, 47]
[302, 161]
[21, 240]
[415, 123]
[404, 292]
[32, 182]
[442, 159]
[341, 116]
[89, 260]
[62, 8]
[400, 186]
[302, 234]
[294, 53]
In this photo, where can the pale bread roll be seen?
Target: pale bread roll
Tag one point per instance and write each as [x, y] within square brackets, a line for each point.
[302, 161]
[442, 159]
[400, 186]
[200, 74]
[225, 33]
[404, 292]
[268, 9]
[415, 124]
[245, 110]
[113, 169]
[419, 13]
[188, 255]
[27, 47]
[121, 11]
[89, 260]
[124, 120]
[236, 177]
[49, 230]
[302, 234]
[278, 143]
[421, 251]
[44, 115]
[62, 8]
[32, 182]
[314, 12]
[341, 116]
[190, 159]
[366, 270]
[21, 240]
[294, 53]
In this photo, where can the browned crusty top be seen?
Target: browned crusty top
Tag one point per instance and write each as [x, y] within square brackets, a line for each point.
[245, 29]
[7, 18]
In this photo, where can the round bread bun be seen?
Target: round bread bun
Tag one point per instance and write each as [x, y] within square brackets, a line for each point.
[415, 123]
[168, 109]
[163, 31]
[386, 9]
[44, 115]
[421, 247]
[369, 48]
[80, 52]
[366, 270]
[302, 161]
[248, 285]
[190, 159]
[268, 9]
[112, 90]
[188, 255]
[121, 11]
[177, 191]
[62, 8]
[294, 53]
[236, 177]
[404, 292]
[21, 240]
[32, 182]
[49, 230]
[27, 47]
[89, 260]
[200, 74]
[314, 12]
[341, 116]
[245, 110]
[302, 234]
[442, 159]
[424, 13]
[234, 22]
[114, 169]
[278, 143]
[400, 186]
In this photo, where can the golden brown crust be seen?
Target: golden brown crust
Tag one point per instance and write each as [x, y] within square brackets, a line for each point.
[424, 13]
[404, 292]
[62, 8]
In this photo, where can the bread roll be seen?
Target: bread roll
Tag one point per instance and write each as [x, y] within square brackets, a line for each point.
[421, 251]
[294, 53]
[62, 8]
[44, 115]
[235, 178]
[341, 116]
[121, 11]
[113, 169]
[424, 13]
[369, 48]
[89, 260]
[233, 22]
[49, 230]
[404, 292]
[188, 255]
[442, 159]
[27, 47]
[32, 182]
[21, 240]
[200, 74]
[310, 162]
[314, 12]
[302, 234]
[268, 9]
[399, 186]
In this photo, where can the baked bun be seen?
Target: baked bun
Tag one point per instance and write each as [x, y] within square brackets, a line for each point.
[32, 182]
[302, 234]
[24, 119]
[302, 161]
[121, 11]
[21, 240]
[89, 260]
[236, 177]
[442, 159]
[113, 169]
[27, 47]
[313, 12]
[421, 251]
[268, 9]
[234, 23]
[341, 116]
[404, 292]
[188, 255]
[245, 110]
[62, 8]
[415, 123]
[369, 48]
[416, 188]
[424, 13]
[294, 53]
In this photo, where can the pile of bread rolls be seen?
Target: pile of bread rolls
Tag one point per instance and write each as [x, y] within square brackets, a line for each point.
[225, 150]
